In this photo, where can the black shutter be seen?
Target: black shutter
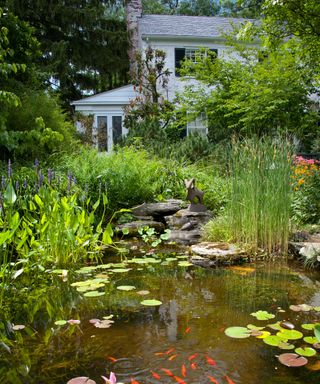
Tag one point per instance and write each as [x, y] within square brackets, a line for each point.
[179, 56]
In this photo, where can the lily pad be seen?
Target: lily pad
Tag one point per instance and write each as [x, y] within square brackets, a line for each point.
[120, 270]
[171, 258]
[184, 264]
[126, 287]
[310, 339]
[143, 293]
[263, 315]
[275, 326]
[273, 340]
[292, 360]
[254, 327]
[60, 322]
[263, 335]
[81, 380]
[93, 321]
[73, 321]
[290, 334]
[151, 303]
[93, 294]
[309, 327]
[285, 345]
[237, 332]
[305, 351]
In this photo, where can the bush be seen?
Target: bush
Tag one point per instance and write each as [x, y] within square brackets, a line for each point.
[217, 230]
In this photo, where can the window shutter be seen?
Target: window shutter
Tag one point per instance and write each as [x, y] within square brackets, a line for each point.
[179, 56]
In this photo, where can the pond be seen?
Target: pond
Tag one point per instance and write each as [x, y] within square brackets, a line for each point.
[182, 340]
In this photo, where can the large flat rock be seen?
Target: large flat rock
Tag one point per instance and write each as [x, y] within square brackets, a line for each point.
[165, 208]
[305, 249]
[216, 253]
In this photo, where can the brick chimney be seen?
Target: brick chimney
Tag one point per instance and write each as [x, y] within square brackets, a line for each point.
[133, 14]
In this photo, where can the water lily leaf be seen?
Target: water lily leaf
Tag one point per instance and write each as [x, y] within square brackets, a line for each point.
[171, 258]
[93, 294]
[310, 339]
[317, 331]
[108, 317]
[273, 340]
[151, 303]
[81, 380]
[93, 321]
[182, 256]
[263, 335]
[285, 345]
[263, 315]
[60, 322]
[142, 293]
[120, 270]
[74, 322]
[290, 334]
[104, 266]
[103, 324]
[287, 325]
[18, 327]
[58, 271]
[184, 264]
[251, 326]
[309, 327]
[237, 332]
[275, 326]
[126, 287]
[292, 360]
[305, 351]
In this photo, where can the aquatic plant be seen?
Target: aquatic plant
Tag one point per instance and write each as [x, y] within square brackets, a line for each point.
[261, 193]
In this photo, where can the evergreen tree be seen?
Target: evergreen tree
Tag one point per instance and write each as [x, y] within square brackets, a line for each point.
[84, 43]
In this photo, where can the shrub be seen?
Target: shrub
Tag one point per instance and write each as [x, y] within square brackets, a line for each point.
[218, 229]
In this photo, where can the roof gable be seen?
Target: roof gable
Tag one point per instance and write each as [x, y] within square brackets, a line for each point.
[188, 26]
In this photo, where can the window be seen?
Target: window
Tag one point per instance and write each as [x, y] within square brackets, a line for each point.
[188, 53]
[198, 125]
[102, 131]
[116, 129]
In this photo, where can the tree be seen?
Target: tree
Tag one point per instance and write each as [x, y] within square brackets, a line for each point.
[253, 95]
[84, 43]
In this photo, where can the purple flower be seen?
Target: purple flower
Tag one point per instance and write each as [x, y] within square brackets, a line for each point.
[25, 183]
[1, 201]
[36, 163]
[3, 182]
[17, 185]
[40, 178]
[9, 169]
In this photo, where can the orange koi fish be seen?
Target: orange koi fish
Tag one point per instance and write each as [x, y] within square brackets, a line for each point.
[155, 375]
[193, 366]
[187, 330]
[192, 357]
[210, 361]
[229, 381]
[167, 372]
[213, 380]
[169, 351]
[133, 381]
[172, 357]
[179, 380]
[159, 353]
[111, 358]
[183, 371]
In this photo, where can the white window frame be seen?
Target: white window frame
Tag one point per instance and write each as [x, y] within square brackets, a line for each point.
[199, 125]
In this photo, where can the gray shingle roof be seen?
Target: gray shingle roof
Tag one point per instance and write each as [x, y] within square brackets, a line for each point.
[195, 26]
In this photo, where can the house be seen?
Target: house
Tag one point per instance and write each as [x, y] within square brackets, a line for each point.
[179, 37]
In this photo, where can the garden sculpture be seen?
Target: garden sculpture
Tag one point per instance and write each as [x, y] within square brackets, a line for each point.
[195, 196]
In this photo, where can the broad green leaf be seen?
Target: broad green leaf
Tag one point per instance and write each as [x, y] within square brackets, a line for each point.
[38, 200]
[60, 322]
[310, 339]
[305, 351]
[273, 340]
[237, 332]
[10, 195]
[151, 303]
[317, 332]
[290, 334]
[93, 294]
[309, 327]
[184, 264]
[263, 315]
[126, 287]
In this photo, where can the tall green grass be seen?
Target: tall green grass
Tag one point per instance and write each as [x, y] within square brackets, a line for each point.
[261, 193]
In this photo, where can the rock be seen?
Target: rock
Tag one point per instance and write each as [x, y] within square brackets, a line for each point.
[185, 237]
[134, 227]
[166, 208]
[184, 216]
[203, 262]
[218, 253]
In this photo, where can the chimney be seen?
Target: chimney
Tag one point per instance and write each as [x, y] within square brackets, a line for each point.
[133, 14]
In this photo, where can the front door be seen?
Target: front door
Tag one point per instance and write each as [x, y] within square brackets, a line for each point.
[102, 133]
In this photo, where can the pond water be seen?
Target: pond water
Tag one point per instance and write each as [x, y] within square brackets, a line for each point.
[185, 335]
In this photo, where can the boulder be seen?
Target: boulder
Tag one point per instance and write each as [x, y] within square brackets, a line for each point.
[185, 237]
[217, 253]
[306, 250]
[134, 226]
[166, 208]
[184, 216]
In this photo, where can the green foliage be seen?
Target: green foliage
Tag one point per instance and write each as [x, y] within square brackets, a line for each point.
[251, 96]
[37, 128]
[259, 208]
[84, 43]
[218, 229]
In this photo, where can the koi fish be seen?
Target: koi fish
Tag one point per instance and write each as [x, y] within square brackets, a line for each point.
[213, 380]
[159, 353]
[167, 372]
[133, 381]
[179, 380]
[229, 381]
[192, 357]
[183, 371]
[193, 366]
[155, 375]
[210, 361]
[169, 351]
[172, 357]
[113, 359]
[187, 330]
